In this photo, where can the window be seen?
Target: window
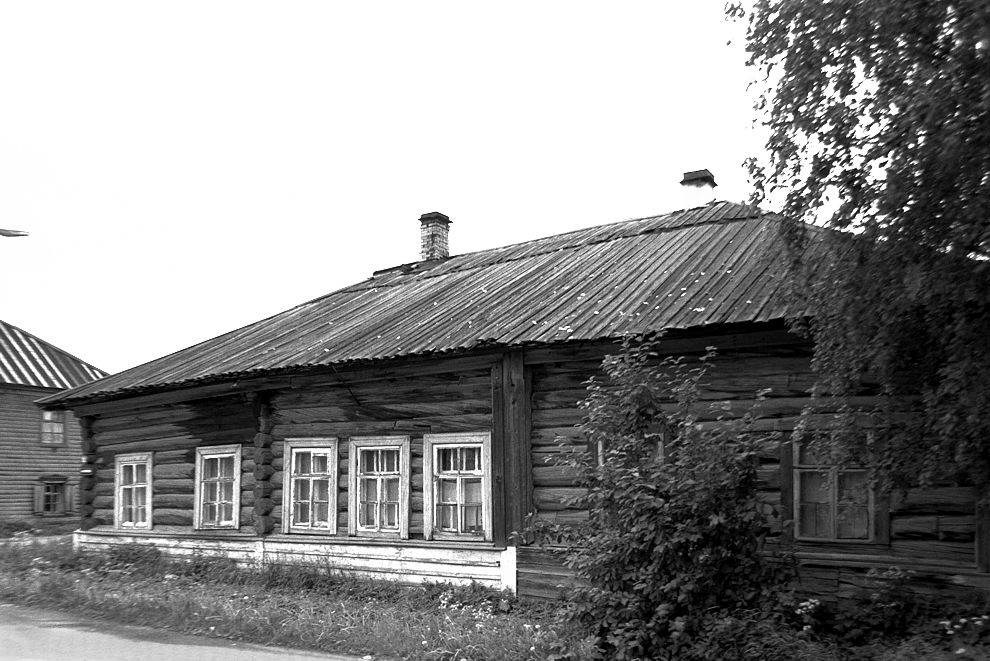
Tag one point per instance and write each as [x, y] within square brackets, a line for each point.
[132, 491]
[457, 489]
[311, 503]
[831, 504]
[378, 489]
[53, 495]
[53, 427]
[218, 487]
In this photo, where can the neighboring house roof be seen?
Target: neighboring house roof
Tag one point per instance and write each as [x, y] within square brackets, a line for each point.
[26, 360]
[716, 264]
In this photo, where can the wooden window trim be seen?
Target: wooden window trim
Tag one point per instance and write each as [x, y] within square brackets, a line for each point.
[53, 428]
[403, 445]
[431, 442]
[293, 445]
[121, 460]
[878, 505]
[217, 451]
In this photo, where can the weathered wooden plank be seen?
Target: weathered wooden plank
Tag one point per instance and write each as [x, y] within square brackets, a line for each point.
[961, 500]
[555, 498]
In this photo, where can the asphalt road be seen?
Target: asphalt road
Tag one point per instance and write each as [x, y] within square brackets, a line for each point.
[31, 634]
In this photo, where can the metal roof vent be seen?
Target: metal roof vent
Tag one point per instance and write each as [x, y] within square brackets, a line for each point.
[699, 187]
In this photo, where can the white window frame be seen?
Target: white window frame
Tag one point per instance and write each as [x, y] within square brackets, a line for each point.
[133, 459]
[53, 427]
[217, 451]
[322, 444]
[356, 445]
[431, 444]
[831, 473]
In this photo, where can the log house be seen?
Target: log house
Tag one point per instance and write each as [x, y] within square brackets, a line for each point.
[405, 427]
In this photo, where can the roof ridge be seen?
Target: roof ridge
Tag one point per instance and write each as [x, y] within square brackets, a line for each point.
[756, 213]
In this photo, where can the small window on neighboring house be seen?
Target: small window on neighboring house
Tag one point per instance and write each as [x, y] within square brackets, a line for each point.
[53, 496]
[378, 490]
[132, 491]
[457, 489]
[218, 487]
[311, 503]
[53, 427]
[831, 504]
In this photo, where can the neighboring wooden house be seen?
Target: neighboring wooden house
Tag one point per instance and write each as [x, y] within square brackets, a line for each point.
[39, 450]
[403, 427]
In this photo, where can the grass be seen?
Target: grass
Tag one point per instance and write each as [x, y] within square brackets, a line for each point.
[307, 608]
[17, 528]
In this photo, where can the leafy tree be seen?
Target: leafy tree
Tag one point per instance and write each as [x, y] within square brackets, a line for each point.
[675, 531]
[879, 126]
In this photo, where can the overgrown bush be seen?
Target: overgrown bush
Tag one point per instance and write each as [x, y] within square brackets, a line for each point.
[675, 531]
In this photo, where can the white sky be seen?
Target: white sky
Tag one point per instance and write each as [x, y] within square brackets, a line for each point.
[185, 168]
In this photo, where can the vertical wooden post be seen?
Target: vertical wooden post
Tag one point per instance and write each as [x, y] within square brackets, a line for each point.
[786, 491]
[982, 532]
[87, 479]
[517, 457]
[263, 470]
[499, 443]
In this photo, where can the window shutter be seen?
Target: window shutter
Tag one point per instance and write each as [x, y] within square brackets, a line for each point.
[70, 498]
[39, 498]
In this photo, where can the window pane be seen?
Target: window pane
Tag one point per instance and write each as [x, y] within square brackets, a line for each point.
[471, 458]
[301, 512]
[367, 515]
[227, 512]
[140, 495]
[472, 491]
[320, 464]
[127, 474]
[854, 522]
[853, 487]
[814, 487]
[321, 491]
[210, 468]
[446, 517]
[816, 520]
[390, 461]
[301, 489]
[301, 463]
[448, 491]
[391, 516]
[366, 461]
[141, 473]
[227, 492]
[226, 466]
[126, 500]
[447, 459]
[209, 513]
[210, 492]
[142, 515]
[321, 513]
[391, 489]
[369, 490]
[472, 519]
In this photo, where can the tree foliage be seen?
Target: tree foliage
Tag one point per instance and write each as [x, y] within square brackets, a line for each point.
[879, 125]
[675, 530]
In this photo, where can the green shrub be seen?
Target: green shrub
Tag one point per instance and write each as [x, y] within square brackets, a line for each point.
[675, 530]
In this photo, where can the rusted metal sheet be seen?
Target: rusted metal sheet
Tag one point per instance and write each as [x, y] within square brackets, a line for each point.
[28, 361]
[718, 264]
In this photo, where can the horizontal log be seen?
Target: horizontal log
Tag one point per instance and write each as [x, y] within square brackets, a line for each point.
[555, 498]
[173, 501]
[554, 476]
[960, 500]
[172, 517]
[173, 471]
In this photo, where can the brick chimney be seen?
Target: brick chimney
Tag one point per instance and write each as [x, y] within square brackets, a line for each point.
[433, 230]
[698, 187]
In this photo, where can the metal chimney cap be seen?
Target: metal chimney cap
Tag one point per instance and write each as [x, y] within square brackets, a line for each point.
[698, 178]
[434, 216]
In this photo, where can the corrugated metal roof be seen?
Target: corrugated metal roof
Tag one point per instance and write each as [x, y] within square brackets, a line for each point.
[28, 361]
[716, 264]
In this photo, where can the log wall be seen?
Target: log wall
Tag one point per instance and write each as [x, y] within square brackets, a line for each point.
[931, 532]
[173, 433]
[410, 406]
[23, 459]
